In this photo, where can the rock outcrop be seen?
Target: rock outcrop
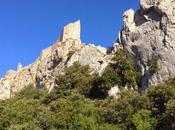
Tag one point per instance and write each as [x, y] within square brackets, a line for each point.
[94, 56]
[52, 61]
[146, 34]
[150, 32]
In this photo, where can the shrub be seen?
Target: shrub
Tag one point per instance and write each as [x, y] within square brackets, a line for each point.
[159, 96]
[162, 99]
[68, 107]
[125, 67]
[143, 120]
[154, 66]
[108, 79]
[75, 112]
[76, 77]
[31, 92]
[121, 111]
[122, 72]
[16, 113]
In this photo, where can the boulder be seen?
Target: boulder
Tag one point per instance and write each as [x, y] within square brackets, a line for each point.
[114, 92]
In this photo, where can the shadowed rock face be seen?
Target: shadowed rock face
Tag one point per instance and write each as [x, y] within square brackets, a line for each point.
[150, 32]
[53, 61]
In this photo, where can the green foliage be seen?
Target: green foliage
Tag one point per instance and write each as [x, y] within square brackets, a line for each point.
[109, 127]
[125, 67]
[122, 72]
[76, 77]
[162, 100]
[159, 96]
[121, 111]
[108, 79]
[154, 66]
[19, 112]
[30, 92]
[69, 108]
[75, 112]
[170, 113]
[143, 120]
[170, 107]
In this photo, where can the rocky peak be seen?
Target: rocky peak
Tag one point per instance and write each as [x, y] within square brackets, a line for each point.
[53, 61]
[150, 32]
[147, 33]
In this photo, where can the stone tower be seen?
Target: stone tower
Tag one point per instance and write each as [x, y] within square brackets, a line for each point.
[71, 31]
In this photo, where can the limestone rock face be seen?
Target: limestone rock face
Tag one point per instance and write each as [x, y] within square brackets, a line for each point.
[91, 55]
[53, 61]
[150, 32]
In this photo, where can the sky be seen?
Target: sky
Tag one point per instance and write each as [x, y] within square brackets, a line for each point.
[29, 26]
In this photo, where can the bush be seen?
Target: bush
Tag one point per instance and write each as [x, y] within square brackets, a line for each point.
[159, 96]
[162, 101]
[125, 67]
[68, 107]
[18, 113]
[76, 77]
[154, 66]
[143, 120]
[121, 112]
[31, 92]
[75, 112]
[108, 79]
[122, 72]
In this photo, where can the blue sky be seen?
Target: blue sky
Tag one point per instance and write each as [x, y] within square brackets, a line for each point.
[28, 26]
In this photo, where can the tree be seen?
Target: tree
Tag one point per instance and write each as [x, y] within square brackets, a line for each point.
[143, 120]
[76, 77]
[162, 101]
[126, 69]
[121, 111]
[121, 72]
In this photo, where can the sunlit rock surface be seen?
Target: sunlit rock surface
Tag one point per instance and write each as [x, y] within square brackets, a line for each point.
[150, 32]
[53, 61]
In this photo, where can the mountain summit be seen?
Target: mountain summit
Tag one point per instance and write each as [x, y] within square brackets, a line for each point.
[53, 61]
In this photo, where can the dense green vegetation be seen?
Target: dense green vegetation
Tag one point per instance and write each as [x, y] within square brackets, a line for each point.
[122, 72]
[71, 106]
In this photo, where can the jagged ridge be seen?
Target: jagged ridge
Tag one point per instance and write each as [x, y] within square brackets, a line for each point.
[53, 61]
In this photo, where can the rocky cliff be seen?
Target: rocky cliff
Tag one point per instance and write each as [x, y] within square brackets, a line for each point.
[53, 60]
[148, 37]
[149, 33]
